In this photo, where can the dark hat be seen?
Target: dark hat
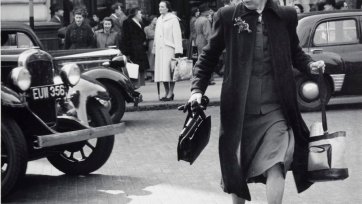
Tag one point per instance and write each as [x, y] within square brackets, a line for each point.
[203, 8]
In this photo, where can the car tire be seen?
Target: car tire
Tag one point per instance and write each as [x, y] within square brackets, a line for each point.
[118, 102]
[306, 104]
[84, 157]
[14, 155]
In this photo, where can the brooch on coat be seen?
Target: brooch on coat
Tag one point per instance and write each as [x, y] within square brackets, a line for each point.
[242, 25]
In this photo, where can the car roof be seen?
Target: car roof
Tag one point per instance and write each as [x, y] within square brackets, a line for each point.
[14, 25]
[327, 14]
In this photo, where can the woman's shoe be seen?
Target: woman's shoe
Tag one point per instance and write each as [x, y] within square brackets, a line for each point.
[169, 99]
[163, 98]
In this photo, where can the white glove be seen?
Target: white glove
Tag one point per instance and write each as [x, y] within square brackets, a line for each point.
[315, 66]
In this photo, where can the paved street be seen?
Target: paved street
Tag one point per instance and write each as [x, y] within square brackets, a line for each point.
[143, 168]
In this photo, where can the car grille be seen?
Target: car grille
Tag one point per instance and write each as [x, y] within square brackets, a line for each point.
[42, 74]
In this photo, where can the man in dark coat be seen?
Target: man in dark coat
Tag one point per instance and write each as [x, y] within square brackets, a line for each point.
[235, 29]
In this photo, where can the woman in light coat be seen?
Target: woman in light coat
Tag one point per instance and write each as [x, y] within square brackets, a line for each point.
[167, 45]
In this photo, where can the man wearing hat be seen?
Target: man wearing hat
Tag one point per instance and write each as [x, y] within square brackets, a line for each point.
[203, 31]
[202, 28]
[57, 14]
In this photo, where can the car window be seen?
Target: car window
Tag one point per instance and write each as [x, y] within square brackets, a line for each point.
[11, 40]
[336, 32]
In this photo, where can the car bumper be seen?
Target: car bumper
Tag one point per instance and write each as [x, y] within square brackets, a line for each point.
[79, 135]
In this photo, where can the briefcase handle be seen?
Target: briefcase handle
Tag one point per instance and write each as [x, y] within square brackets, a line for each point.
[194, 105]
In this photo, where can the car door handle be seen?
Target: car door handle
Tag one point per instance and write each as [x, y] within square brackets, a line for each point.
[317, 51]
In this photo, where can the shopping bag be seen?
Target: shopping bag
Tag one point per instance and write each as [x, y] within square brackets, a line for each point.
[132, 70]
[195, 134]
[181, 69]
[326, 157]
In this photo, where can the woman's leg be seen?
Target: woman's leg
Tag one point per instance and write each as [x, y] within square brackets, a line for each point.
[237, 200]
[167, 88]
[275, 184]
[172, 86]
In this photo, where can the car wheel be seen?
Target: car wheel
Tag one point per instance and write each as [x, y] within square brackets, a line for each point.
[118, 102]
[308, 94]
[84, 157]
[14, 155]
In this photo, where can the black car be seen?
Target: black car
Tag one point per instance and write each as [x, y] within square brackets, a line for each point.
[336, 38]
[114, 78]
[57, 114]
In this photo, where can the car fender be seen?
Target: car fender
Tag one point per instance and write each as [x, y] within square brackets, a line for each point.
[87, 89]
[110, 74]
[10, 98]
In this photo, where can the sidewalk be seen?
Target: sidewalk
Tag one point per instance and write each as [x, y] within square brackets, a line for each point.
[182, 94]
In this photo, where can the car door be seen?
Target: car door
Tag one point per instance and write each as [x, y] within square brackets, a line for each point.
[343, 37]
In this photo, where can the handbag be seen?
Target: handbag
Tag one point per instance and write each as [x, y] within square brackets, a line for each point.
[132, 70]
[326, 160]
[181, 69]
[195, 134]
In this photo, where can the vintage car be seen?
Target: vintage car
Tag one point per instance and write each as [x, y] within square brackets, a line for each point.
[90, 61]
[336, 38]
[57, 114]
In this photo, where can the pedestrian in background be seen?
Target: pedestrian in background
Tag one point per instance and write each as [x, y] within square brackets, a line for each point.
[341, 5]
[330, 5]
[79, 35]
[203, 31]
[299, 8]
[95, 22]
[106, 36]
[135, 43]
[202, 28]
[167, 45]
[57, 14]
[118, 16]
[150, 36]
[195, 14]
[262, 132]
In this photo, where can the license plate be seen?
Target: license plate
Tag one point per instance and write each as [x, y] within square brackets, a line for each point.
[47, 92]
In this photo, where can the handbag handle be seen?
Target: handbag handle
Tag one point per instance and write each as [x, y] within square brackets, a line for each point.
[322, 93]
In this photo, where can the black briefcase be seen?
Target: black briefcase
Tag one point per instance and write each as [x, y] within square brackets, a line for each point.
[195, 135]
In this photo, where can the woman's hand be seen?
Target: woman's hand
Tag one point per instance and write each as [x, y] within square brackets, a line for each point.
[195, 97]
[316, 66]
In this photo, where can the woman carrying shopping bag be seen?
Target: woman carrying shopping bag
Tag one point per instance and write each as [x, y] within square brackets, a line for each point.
[135, 43]
[167, 45]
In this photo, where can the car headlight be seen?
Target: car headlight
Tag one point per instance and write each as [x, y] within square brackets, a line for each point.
[70, 74]
[21, 78]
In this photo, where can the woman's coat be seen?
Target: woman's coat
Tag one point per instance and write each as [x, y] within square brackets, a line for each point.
[286, 53]
[168, 42]
[134, 44]
[79, 37]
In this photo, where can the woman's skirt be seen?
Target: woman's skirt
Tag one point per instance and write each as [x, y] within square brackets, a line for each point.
[266, 141]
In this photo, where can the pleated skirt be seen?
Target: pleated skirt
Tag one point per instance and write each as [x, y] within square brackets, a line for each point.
[266, 141]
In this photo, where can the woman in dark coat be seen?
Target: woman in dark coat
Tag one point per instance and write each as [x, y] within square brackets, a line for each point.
[261, 129]
[134, 43]
[79, 35]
